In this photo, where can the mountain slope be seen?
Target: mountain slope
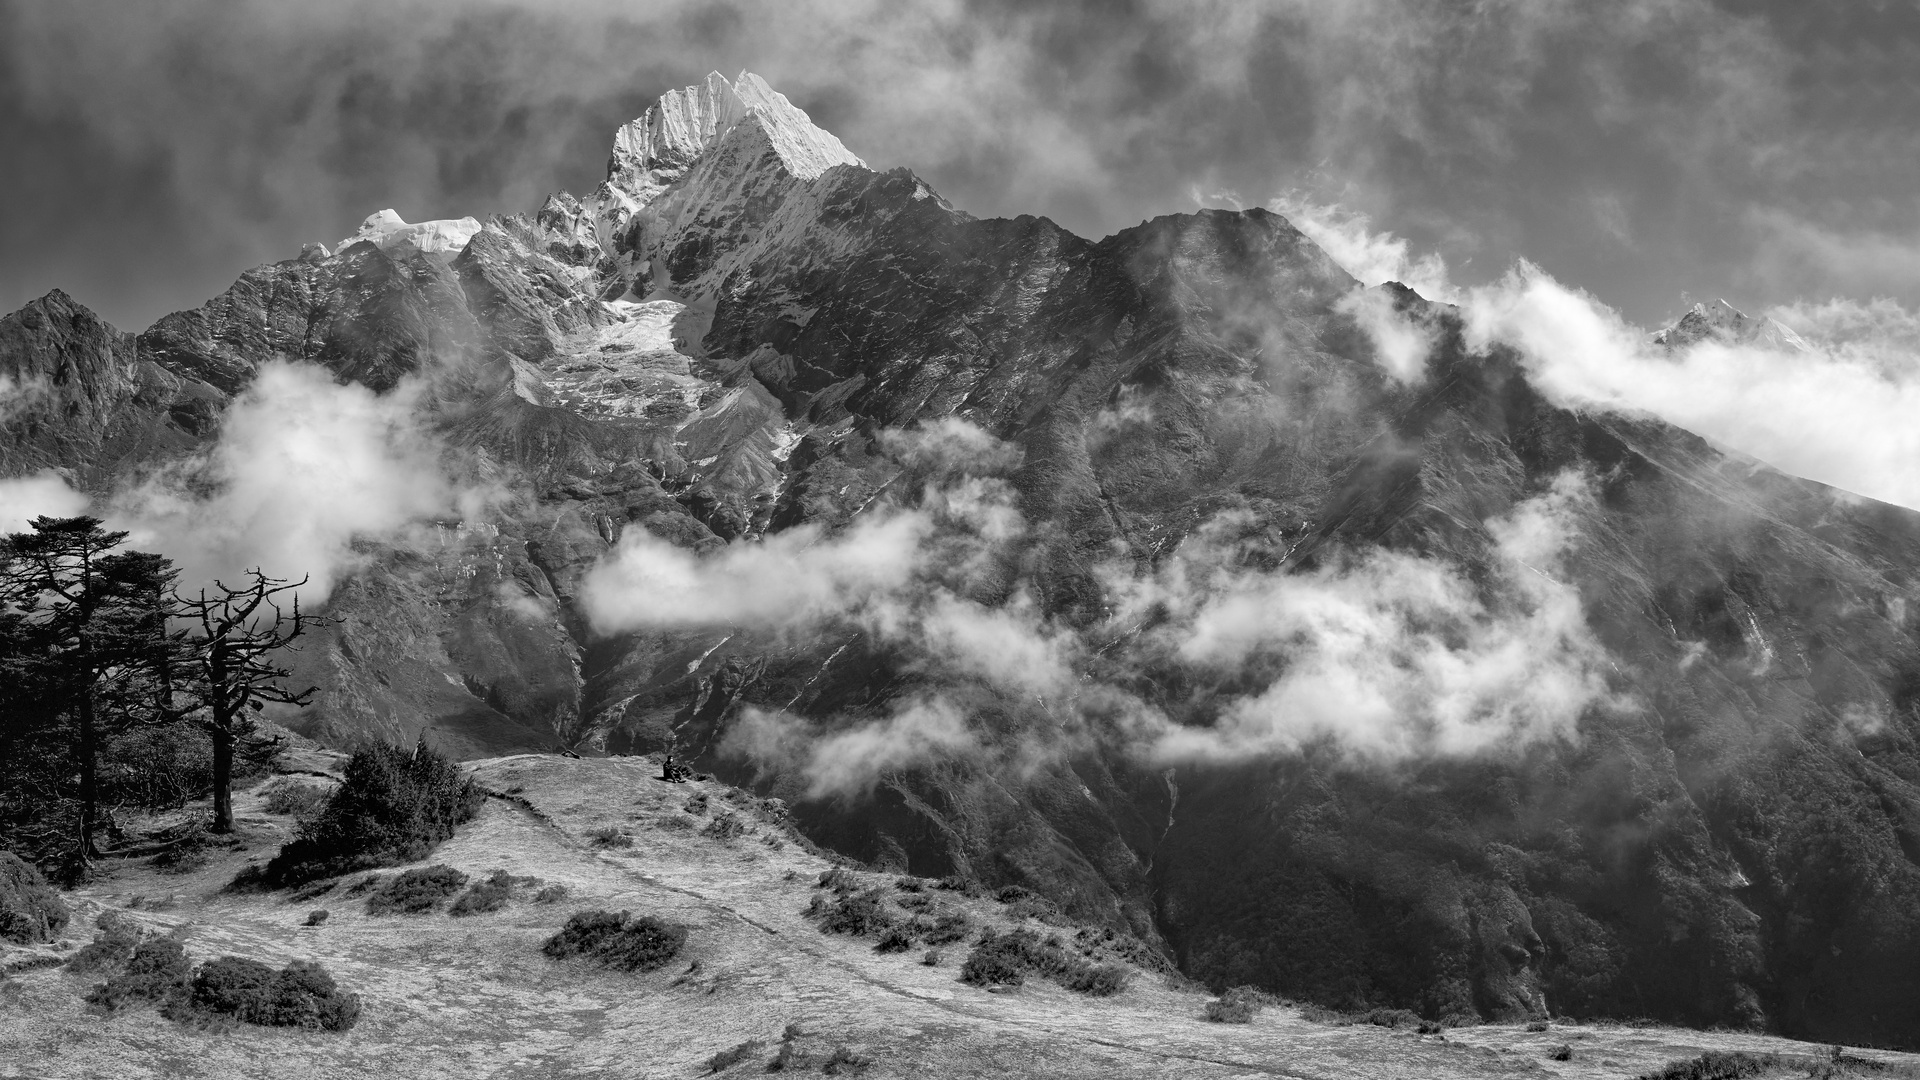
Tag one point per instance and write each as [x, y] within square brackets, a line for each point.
[740, 335]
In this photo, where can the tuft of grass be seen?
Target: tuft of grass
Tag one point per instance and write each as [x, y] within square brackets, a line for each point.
[727, 1059]
[394, 807]
[725, 827]
[844, 1062]
[609, 836]
[624, 941]
[416, 891]
[551, 894]
[1391, 1018]
[155, 974]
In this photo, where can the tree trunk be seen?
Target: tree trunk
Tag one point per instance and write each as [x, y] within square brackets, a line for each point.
[222, 779]
[89, 775]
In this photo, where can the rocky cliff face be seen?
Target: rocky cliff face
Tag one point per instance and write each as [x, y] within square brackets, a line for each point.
[733, 345]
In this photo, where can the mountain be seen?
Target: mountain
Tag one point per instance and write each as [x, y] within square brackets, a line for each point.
[1434, 695]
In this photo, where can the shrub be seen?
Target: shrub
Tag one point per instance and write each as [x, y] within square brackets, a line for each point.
[909, 884]
[300, 995]
[416, 891]
[484, 896]
[1536, 1025]
[111, 947]
[949, 927]
[697, 804]
[30, 911]
[155, 974]
[1563, 1052]
[316, 917]
[1013, 894]
[624, 941]
[895, 939]
[725, 827]
[393, 808]
[552, 894]
[859, 914]
[289, 796]
[727, 1059]
[790, 1057]
[1716, 1065]
[609, 837]
[839, 881]
[991, 965]
[1098, 980]
[844, 1061]
[1238, 1005]
[934, 958]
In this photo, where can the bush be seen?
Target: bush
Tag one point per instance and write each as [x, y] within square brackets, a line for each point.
[1238, 1005]
[317, 917]
[155, 974]
[30, 911]
[552, 894]
[300, 995]
[289, 796]
[1098, 980]
[991, 964]
[839, 881]
[727, 1059]
[1716, 1065]
[949, 927]
[934, 958]
[394, 807]
[484, 896]
[416, 891]
[1563, 1052]
[110, 948]
[859, 914]
[624, 941]
[1536, 1025]
[895, 939]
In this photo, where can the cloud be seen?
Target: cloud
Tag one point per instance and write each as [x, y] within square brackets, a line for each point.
[303, 468]
[848, 762]
[1796, 254]
[43, 494]
[1385, 654]
[1400, 344]
[1373, 258]
[1839, 416]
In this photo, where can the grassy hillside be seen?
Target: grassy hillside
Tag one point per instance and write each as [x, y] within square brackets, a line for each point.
[474, 995]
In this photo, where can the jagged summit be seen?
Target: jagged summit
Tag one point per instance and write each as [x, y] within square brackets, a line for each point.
[676, 131]
[390, 233]
[1721, 321]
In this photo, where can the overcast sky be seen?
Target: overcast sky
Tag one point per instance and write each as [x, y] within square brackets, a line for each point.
[1645, 150]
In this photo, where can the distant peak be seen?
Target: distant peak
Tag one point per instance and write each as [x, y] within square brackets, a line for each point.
[390, 233]
[1722, 322]
[661, 144]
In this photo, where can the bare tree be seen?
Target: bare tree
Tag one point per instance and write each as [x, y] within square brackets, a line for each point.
[231, 639]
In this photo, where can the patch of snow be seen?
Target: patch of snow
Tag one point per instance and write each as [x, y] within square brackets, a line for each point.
[387, 231]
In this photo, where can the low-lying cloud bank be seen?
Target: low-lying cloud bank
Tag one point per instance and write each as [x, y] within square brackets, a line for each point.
[1386, 656]
[1839, 412]
[304, 469]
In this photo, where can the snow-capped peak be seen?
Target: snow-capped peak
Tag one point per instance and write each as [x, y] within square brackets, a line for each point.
[387, 231]
[1723, 322]
[654, 150]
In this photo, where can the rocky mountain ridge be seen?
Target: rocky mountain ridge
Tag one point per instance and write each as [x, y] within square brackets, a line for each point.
[740, 337]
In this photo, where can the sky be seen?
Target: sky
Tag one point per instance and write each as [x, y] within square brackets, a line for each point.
[1651, 152]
